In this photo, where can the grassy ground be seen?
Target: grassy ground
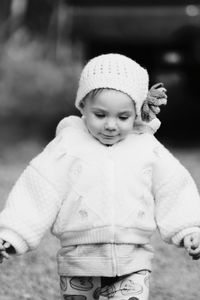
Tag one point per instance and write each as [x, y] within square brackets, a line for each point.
[33, 276]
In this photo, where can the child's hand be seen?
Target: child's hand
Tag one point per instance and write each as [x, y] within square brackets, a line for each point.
[192, 244]
[3, 247]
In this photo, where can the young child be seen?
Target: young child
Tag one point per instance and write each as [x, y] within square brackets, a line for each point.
[103, 186]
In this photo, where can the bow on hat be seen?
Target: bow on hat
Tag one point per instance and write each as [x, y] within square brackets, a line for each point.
[155, 98]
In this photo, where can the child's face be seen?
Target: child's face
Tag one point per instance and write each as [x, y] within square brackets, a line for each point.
[109, 116]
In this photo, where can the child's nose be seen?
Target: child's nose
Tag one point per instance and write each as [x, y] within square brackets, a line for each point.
[110, 124]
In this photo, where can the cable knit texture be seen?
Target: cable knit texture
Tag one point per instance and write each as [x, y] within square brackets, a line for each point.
[117, 72]
[30, 210]
[88, 193]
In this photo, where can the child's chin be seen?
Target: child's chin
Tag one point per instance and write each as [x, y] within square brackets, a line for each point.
[109, 142]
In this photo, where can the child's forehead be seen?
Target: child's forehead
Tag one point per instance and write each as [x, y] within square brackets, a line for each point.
[108, 93]
[112, 99]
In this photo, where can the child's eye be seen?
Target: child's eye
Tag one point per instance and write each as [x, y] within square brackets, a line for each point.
[123, 118]
[99, 115]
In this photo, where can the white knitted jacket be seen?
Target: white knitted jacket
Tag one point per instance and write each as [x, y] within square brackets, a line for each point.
[90, 193]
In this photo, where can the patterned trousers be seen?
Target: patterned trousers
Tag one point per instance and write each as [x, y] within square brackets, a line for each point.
[133, 286]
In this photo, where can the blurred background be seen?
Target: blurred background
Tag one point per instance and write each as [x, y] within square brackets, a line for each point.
[44, 45]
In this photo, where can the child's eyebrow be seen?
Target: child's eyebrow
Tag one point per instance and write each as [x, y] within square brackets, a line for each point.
[98, 109]
[128, 112]
[123, 112]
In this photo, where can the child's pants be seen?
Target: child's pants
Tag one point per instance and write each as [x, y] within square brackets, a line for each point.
[134, 286]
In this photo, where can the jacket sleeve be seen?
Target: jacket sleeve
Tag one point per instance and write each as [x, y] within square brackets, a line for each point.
[35, 200]
[29, 211]
[177, 199]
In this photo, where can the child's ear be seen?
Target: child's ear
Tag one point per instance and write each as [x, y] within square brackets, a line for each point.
[81, 107]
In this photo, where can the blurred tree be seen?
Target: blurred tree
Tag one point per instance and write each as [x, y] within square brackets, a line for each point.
[39, 68]
[17, 13]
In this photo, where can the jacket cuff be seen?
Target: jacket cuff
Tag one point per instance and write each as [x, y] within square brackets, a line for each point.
[15, 240]
[177, 238]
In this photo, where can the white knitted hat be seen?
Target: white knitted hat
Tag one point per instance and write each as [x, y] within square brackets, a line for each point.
[114, 71]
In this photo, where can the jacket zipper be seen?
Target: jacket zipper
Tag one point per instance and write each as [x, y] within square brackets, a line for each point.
[114, 259]
[112, 178]
[111, 175]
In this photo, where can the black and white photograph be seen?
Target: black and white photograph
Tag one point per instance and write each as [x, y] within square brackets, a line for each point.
[99, 149]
